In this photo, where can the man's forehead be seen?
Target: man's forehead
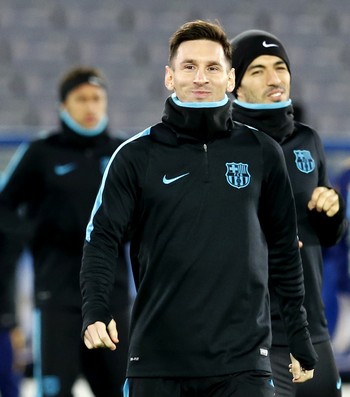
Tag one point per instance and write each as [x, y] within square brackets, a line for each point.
[266, 60]
[196, 47]
[206, 51]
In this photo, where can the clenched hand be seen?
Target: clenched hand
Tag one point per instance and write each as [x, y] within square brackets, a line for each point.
[97, 335]
[324, 199]
[300, 375]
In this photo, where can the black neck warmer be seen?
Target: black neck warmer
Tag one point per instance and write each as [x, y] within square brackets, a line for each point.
[200, 123]
[74, 139]
[277, 123]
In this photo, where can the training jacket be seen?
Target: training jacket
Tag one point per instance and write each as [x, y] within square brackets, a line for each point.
[9, 255]
[52, 182]
[340, 253]
[202, 201]
[306, 163]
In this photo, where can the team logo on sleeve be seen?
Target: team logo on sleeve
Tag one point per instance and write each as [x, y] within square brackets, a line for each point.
[237, 175]
[304, 161]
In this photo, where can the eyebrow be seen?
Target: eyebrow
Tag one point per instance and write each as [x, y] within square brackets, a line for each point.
[194, 61]
[277, 63]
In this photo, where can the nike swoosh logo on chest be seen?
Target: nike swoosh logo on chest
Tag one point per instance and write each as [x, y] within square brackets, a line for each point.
[167, 181]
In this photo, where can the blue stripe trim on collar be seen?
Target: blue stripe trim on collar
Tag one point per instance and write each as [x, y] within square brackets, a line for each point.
[199, 104]
[73, 125]
[263, 106]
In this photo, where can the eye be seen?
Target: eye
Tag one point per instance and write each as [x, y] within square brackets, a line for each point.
[81, 99]
[256, 72]
[281, 66]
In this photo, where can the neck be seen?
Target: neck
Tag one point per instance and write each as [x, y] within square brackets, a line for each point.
[199, 104]
[264, 106]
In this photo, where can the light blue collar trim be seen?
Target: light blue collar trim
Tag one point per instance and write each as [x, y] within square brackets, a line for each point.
[199, 104]
[73, 125]
[263, 106]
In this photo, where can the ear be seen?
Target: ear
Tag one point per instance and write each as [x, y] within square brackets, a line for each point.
[231, 80]
[169, 78]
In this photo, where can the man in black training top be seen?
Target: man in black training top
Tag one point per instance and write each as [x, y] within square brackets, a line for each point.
[263, 101]
[53, 181]
[209, 210]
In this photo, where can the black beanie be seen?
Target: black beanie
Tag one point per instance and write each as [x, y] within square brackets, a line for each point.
[78, 77]
[249, 45]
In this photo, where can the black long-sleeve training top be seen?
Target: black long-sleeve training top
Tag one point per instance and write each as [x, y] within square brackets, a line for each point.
[10, 251]
[205, 203]
[53, 181]
[306, 163]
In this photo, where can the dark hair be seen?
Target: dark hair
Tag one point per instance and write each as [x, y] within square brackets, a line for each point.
[200, 30]
[77, 76]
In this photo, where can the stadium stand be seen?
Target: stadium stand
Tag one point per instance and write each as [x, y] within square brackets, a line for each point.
[39, 39]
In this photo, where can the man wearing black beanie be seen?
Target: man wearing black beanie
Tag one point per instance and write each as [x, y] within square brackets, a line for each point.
[263, 102]
[54, 180]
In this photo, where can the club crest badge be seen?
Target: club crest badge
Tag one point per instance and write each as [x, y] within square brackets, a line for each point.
[304, 161]
[237, 175]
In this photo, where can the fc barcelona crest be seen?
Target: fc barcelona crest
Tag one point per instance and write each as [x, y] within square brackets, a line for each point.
[237, 175]
[304, 161]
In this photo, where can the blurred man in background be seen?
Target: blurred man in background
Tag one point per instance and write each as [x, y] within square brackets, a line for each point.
[53, 182]
[12, 339]
[263, 101]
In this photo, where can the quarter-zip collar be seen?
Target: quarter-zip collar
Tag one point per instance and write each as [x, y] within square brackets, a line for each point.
[71, 138]
[201, 121]
[276, 120]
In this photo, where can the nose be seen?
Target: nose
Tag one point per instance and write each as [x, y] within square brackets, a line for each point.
[90, 106]
[200, 77]
[273, 78]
